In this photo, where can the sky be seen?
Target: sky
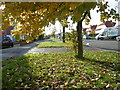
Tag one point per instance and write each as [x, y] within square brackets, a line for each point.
[95, 20]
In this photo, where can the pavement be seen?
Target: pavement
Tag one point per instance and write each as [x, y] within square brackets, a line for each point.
[57, 50]
[48, 50]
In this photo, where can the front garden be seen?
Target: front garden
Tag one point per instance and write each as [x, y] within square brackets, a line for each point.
[99, 69]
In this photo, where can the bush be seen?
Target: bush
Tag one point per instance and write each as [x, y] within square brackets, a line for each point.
[72, 37]
[41, 37]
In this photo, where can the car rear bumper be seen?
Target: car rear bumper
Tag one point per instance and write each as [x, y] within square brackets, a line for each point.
[5, 45]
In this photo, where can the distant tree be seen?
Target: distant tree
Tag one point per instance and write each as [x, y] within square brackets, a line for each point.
[53, 32]
[41, 37]
[93, 28]
[72, 36]
[64, 24]
[84, 31]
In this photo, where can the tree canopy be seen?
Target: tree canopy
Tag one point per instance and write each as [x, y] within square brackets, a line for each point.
[35, 15]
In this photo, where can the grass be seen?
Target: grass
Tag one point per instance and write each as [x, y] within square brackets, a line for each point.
[55, 42]
[54, 39]
[52, 43]
[62, 70]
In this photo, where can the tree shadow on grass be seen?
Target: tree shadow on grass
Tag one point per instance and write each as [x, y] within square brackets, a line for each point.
[106, 64]
[18, 74]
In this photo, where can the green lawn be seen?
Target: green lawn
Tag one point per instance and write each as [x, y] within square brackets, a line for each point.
[99, 69]
[55, 39]
[53, 43]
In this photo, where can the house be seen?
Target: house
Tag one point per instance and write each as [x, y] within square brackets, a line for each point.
[99, 28]
[7, 32]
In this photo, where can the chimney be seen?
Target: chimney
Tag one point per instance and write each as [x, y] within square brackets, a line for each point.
[84, 29]
[109, 23]
[93, 27]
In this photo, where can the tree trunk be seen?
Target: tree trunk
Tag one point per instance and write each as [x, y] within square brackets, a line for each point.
[80, 45]
[63, 34]
[79, 33]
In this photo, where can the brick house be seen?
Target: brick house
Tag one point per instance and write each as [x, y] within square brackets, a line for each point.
[7, 31]
[99, 28]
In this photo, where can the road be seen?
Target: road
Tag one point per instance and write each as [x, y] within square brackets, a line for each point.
[104, 44]
[30, 48]
[17, 50]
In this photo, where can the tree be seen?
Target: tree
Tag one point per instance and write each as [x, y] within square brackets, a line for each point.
[53, 32]
[93, 27]
[64, 24]
[79, 33]
[72, 36]
[34, 15]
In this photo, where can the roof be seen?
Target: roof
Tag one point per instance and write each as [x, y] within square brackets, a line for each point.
[7, 31]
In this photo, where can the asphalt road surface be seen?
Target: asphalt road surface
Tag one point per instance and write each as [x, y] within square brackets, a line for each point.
[104, 44]
[17, 50]
[30, 48]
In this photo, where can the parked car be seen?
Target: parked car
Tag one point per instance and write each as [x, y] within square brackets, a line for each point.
[86, 37]
[98, 37]
[118, 38]
[108, 33]
[6, 42]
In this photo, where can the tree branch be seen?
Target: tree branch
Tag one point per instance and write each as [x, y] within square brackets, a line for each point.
[86, 12]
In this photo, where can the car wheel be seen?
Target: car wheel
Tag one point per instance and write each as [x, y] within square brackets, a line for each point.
[12, 45]
[101, 38]
[98, 39]
[117, 39]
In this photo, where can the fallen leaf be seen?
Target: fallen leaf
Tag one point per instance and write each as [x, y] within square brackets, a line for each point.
[72, 81]
[108, 85]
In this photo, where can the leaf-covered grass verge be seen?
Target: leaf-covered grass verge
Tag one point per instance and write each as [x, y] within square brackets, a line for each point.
[108, 58]
[49, 44]
[61, 70]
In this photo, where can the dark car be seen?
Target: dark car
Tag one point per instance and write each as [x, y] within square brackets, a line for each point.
[6, 42]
